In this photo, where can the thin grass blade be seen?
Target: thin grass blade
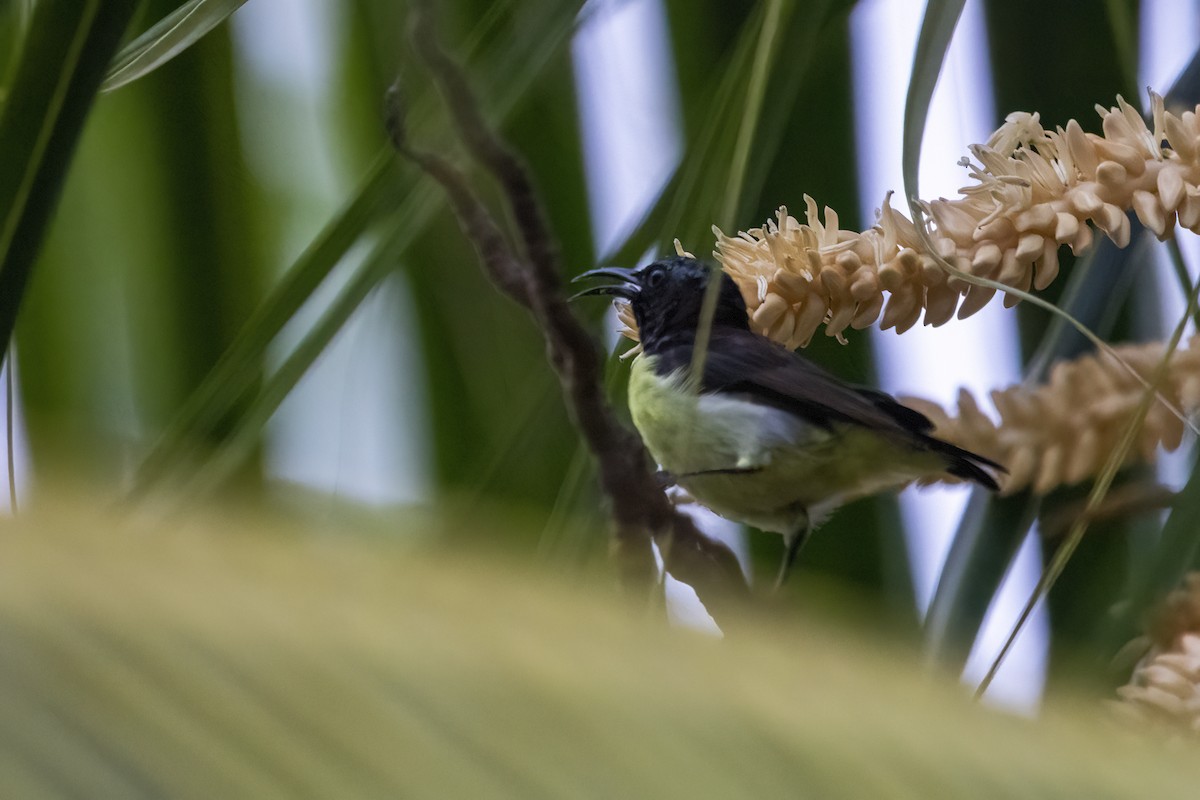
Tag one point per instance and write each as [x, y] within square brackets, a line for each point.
[242, 440]
[697, 195]
[62, 62]
[380, 195]
[166, 39]
[933, 42]
[992, 530]
[767, 48]
[1179, 549]
[237, 370]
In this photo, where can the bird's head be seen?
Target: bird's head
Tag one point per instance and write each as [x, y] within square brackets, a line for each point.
[667, 297]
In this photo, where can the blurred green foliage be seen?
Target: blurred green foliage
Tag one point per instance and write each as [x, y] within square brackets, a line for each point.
[176, 257]
[234, 658]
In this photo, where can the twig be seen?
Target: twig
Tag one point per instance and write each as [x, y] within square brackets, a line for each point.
[1126, 501]
[640, 509]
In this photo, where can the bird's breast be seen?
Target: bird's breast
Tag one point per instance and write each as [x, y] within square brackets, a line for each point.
[756, 463]
[688, 432]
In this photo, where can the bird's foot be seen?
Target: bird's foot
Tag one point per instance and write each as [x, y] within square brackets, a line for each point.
[664, 479]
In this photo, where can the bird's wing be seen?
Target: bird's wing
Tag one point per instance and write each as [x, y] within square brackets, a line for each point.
[909, 418]
[741, 362]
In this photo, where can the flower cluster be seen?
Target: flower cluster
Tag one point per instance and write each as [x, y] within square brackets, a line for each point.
[1063, 431]
[1032, 191]
[1166, 683]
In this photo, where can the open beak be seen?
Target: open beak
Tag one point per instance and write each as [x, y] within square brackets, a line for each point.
[626, 290]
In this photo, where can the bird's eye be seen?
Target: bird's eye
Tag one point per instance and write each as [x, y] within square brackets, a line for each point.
[655, 278]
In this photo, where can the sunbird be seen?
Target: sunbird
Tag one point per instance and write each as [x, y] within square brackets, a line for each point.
[763, 437]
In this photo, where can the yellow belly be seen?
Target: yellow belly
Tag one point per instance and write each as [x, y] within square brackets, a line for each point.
[761, 465]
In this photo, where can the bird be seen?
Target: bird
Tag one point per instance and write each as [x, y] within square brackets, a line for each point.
[762, 436]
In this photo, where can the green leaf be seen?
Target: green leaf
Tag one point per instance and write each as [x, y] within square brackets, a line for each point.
[983, 546]
[1177, 554]
[933, 42]
[240, 443]
[240, 366]
[14, 22]
[992, 530]
[1178, 550]
[169, 37]
[767, 49]
[242, 658]
[699, 195]
[988, 537]
[379, 195]
[64, 56]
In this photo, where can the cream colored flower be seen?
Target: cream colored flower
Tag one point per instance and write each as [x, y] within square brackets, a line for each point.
[1032, 190]
[1063, 431]
[1165, 686]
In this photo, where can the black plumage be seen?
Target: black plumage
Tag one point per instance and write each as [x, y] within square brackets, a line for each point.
[742, 363]
[832, 442]
[667, 298]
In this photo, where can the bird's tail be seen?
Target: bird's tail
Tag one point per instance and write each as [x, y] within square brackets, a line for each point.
[967, 465]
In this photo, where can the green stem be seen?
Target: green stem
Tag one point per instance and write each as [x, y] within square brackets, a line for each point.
[756, 91]
[1057, 564]
[61, 65]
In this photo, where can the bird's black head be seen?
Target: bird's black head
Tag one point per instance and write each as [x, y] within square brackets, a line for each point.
[667, 297]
